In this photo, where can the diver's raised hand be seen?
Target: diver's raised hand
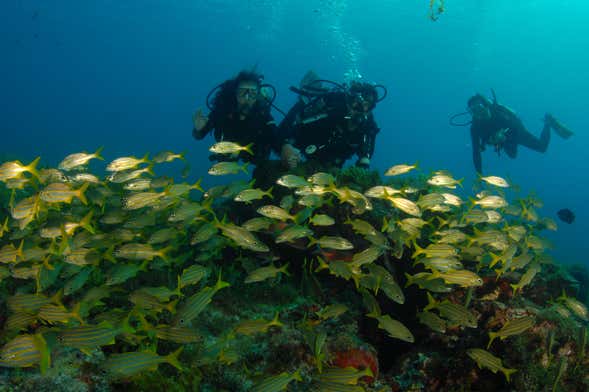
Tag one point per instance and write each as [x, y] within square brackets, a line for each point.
[290, 156]
[199, 120]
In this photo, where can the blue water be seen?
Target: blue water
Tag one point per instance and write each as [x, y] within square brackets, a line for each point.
[129, 74]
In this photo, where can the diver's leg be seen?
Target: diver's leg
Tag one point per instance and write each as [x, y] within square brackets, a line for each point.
[530, 141]
[561, 130]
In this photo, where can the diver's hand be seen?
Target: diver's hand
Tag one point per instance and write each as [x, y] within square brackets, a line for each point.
[364, 163]
[199, 120]
[290, 156]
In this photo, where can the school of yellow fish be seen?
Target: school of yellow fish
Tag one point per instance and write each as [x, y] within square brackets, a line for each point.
[86, 241]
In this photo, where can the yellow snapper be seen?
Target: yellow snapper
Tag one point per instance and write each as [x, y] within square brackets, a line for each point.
[138, 251]
[452, 312]
[168, 156]
[252, 327]
[332, 242]
[59, 192]
[125, 176]
[399, 169]
[485, 359]
[264, 273]
[444, 180]
[405, 205]
[132, 363]
[74, 161]
[195, 304]
[321, 179]
[395, 328]
[293, 233]
[435, 250]
[491, 201]
[223, 168]
[292, 181]
[464, 278]
[140, 184]
[15, 169]
[126, 163]
[242, 237]
[331, 311]
[249, 195]
[511, 328]
[381, 192]
[276, 383]
[496, 181]
[9, 253]
[142, 199]
[432, 320]
[230, 148]
[321, 220]
[274, 212]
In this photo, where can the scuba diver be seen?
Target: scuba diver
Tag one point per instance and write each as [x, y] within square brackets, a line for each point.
[331, 125]
[240, 113]
[498, 126]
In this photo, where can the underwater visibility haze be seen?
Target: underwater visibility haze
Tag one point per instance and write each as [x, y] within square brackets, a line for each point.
[125, 271]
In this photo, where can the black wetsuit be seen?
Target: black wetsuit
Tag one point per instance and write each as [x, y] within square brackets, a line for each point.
[485, 132]
[325, 123]
[257, 127]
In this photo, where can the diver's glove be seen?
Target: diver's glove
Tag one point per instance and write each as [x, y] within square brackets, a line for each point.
[199, 120]
[364, 163]
[290, 156]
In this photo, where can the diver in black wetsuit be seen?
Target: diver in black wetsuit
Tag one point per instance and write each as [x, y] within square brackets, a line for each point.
[496, 125]
[329, 126]
[240, 113]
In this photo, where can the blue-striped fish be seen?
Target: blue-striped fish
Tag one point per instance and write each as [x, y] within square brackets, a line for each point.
[264, 273]
[277, 383]
[349, 375]
[19, 321]
[196, 303]
[4, 227]
[59, 314]
[120, 273]
[485, 359]
[395, 328]
[138, 251]
[337, 387]
[132, 363]
[9, 253]
[26, 351]
[150, 303]
[162, 293]
[88, 337]
[251, 327]
[192, 275]
[31, 303]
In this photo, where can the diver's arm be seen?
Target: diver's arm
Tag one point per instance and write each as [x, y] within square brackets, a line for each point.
[366, 149]
[476, 150]
[275, 137]
[286, 129]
